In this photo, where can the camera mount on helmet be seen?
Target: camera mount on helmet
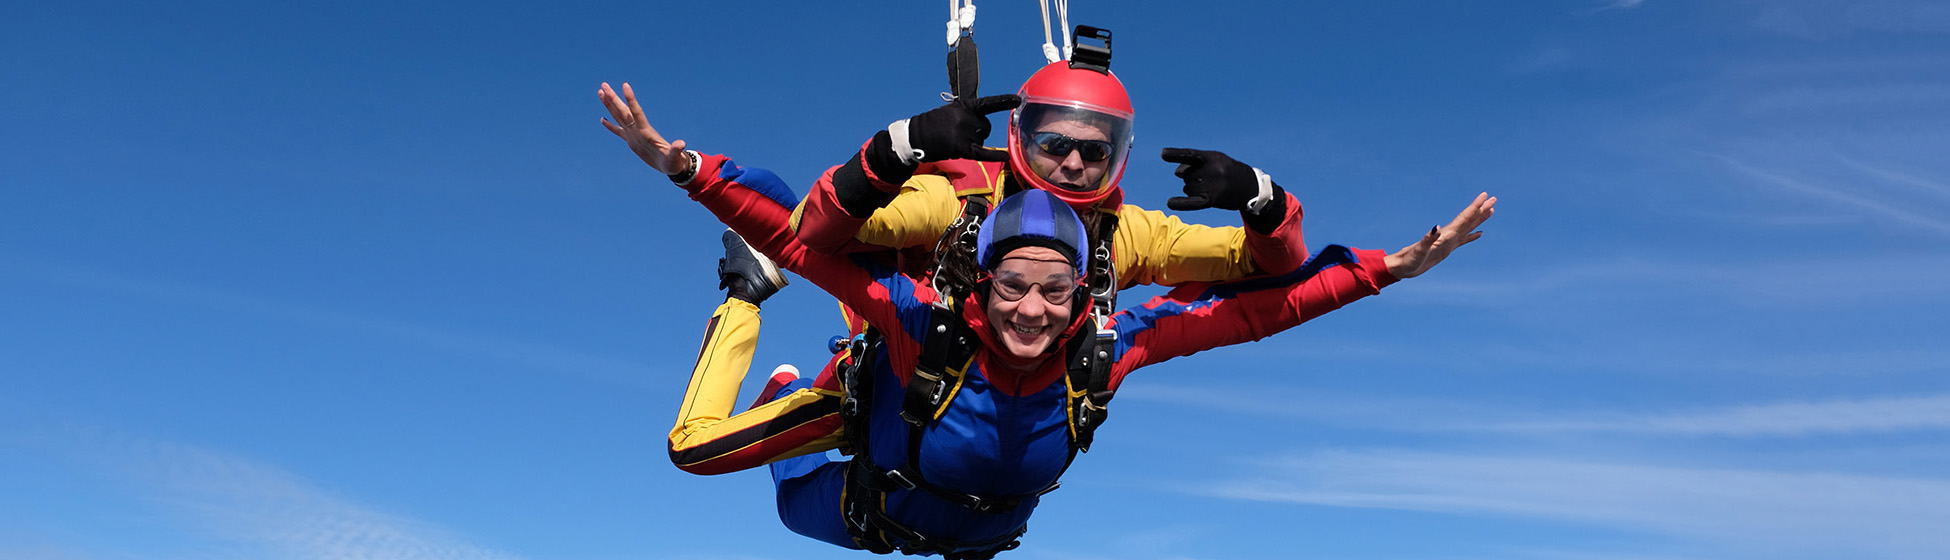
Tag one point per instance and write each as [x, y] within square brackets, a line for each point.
[1091, 57]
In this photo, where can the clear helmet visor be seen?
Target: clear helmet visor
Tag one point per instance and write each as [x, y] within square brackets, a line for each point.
[1071, 145]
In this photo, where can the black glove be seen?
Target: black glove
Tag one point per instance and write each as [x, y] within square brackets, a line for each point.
[955, 130]
[1211, 179]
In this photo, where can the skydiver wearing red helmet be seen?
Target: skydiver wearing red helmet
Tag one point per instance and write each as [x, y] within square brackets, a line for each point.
[1070, 134]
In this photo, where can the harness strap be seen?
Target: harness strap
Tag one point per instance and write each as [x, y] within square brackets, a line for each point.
[944, 360]
[855, 407]
[864, 508]
[1090, 358]
[961, 237]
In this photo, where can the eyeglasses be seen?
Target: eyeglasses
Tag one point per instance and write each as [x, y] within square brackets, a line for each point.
[1056, 292]
[1058, 145]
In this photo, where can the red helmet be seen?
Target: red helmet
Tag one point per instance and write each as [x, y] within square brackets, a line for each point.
[1072, 134]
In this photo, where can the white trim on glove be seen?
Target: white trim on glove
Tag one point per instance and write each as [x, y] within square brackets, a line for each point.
[902, 148]
[1265, 192]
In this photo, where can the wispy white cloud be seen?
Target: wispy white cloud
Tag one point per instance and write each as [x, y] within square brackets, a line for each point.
[1791, 281]
[1858, 416]
[1880, 207]
[539, 356]
[1344, 410]
[1788, 513]
[1829, 19]
[1622, 4]
[1900, 177]
[245, 508]
[1832, 417]
[1854, 96]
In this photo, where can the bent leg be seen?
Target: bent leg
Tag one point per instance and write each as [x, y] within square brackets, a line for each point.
[708, 439]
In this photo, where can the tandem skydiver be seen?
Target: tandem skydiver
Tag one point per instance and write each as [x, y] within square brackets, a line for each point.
[959, 501]
[954, 474]
[1069, 134]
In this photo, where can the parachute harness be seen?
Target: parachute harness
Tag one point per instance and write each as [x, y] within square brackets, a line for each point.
[944, 361]
[949, 351]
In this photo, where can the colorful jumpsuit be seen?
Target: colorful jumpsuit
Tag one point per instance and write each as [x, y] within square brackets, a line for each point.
[1150, 247]
[1003, 434]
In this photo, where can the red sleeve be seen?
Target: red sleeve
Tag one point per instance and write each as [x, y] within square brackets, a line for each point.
[1198, 317]
[823, 225]
[846, 195]
[756, 204]
[1283, 250]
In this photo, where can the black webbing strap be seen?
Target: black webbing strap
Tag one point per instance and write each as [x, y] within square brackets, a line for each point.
[1090, 356]
[952, 283]
[867, 522]
[945, 357]
[1089, 373]
[854, 379]
[964, 71]
[1102, 276]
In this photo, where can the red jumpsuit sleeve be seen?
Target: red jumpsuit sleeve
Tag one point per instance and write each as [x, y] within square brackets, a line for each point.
[1285, 249]
[758, 207]
[1197, 317]
[845, 196]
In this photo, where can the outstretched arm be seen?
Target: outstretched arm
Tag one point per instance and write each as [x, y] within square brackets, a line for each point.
[757, 205]
[635, 130]
[1194, 318]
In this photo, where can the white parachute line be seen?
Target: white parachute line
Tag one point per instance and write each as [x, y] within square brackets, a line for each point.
[1050, 52]
[961, 17]
[1063, 12]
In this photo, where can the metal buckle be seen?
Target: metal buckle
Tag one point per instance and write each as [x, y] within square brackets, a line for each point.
[898, 478]
[940, 390]
[854, 517]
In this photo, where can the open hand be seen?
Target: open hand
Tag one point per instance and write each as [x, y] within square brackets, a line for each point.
[634, 129]
[1423, 255]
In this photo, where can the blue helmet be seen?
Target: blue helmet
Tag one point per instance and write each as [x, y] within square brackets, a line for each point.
[1032, 217]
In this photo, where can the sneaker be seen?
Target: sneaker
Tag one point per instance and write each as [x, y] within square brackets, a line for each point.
[749, 275]
[781, 375]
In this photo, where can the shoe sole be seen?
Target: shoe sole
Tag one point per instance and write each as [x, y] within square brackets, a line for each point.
[765, 264]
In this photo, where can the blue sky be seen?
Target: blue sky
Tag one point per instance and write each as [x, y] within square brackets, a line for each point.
[326, 280]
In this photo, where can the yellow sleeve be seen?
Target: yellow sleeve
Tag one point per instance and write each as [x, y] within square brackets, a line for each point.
[1153, 248]
[925, 207]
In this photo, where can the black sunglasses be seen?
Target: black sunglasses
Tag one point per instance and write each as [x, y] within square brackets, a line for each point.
[1058, 145]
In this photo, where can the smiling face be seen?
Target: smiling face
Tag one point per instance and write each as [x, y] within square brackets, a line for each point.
[1025, 328]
